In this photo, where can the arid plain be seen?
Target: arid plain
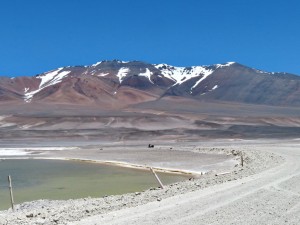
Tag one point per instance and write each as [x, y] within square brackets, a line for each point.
[191, 137]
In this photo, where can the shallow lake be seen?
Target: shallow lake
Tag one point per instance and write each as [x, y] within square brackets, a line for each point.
[34, 179]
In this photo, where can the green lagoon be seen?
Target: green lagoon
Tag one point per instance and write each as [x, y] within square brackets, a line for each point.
[34, 179]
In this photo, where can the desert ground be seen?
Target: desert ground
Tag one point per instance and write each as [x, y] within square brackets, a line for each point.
[270, 196]
[264, 191]
[194, 138]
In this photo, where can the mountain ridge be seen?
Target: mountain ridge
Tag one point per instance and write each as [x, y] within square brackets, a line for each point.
[113, 83]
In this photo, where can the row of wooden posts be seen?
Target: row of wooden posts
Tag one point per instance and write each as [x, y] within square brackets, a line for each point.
[151, 169]
[11, 192]
[12, 196]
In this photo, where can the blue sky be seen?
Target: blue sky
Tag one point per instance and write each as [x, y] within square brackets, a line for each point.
[40, 35]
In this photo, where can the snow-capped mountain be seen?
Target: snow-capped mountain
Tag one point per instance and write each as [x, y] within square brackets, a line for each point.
[118, 83]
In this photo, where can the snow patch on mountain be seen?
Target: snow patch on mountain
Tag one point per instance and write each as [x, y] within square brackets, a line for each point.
[96, 64]
[47, 79]
[122, 73]
[52, 78]
[119, 61]
[171, 72]
[265, 72]
[28, 96]
[102, 74]
[205, 72]
[224, 65]
[182, 74]
[147, 74]
[215, 87]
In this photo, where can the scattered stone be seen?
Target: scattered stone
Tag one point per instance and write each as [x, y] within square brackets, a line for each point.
[234, 152]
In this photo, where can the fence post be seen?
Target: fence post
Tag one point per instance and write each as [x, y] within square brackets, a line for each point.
[157, 178]
[242, 161]
[11, 192]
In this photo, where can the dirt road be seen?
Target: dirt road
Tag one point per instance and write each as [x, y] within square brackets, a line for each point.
[269, 197]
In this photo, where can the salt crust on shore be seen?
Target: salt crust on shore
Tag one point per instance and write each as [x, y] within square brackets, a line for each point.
[27, 151]
[65, 212]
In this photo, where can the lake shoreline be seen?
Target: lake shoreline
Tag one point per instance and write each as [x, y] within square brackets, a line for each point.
[181, 160]
[45, 211]
[114, 163]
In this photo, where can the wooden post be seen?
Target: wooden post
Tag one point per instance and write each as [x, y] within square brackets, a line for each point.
[11, 192]
[157, 178]
[242, 160]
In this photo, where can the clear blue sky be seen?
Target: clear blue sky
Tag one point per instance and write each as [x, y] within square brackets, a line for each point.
[40, 35]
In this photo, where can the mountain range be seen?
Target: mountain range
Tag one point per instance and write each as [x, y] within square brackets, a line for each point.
[117, 101]
[117, 84]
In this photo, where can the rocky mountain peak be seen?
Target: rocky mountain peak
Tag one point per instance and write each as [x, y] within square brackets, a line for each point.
[115, 79]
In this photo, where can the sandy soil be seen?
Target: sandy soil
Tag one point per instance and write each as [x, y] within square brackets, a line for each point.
[264, 191]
